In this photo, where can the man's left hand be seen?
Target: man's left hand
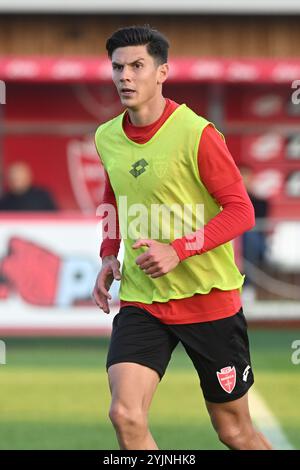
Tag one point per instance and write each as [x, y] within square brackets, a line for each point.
[158, 260]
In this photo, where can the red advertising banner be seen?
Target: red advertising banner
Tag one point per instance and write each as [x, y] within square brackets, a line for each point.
[204, 69]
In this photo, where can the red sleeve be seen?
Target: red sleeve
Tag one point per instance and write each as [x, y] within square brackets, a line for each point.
[217, 168]
[223, 180]
[110, 246]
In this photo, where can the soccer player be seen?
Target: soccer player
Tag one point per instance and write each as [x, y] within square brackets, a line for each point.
[177, 288]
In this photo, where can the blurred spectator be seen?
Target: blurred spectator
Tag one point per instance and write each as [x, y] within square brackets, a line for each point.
[254, 241]
[22, 195]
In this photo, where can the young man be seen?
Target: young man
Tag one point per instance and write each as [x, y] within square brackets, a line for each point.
[184, 288]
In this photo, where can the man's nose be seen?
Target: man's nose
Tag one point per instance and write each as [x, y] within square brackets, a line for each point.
[125, 74]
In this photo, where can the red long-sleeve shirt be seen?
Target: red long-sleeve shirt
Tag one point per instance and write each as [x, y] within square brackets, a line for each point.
[222, 179]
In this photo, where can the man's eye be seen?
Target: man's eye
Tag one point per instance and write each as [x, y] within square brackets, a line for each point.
[117, 67]
[138, 66]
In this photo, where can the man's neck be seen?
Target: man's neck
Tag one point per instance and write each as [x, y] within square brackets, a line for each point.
[149, 113]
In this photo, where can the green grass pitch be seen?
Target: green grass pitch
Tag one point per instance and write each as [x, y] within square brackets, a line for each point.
[54, 394]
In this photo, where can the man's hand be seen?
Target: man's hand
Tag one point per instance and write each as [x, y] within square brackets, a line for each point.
[110, 270]
[158, 260]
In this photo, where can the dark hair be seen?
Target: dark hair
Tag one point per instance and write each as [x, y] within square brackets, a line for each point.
[157, 44]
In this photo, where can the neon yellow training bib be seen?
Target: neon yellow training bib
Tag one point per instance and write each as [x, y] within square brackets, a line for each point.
[158, 192]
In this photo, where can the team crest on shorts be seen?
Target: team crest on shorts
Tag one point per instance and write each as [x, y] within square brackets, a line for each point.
[227, 378]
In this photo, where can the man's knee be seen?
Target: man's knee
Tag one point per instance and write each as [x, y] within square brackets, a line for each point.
[236, 437]
[127, 419]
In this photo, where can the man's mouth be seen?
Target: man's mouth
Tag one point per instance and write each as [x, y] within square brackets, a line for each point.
[127, 91]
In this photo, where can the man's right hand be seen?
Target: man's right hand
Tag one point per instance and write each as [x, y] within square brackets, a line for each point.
[110, 270]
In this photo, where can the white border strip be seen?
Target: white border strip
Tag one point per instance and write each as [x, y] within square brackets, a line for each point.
[155, 6]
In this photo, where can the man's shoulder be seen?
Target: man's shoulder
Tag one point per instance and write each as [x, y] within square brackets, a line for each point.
[6, 200]
[37, 190]
[108, 125]
[193, 120]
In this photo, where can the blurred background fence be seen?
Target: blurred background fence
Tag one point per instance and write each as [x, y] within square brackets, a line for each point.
[235, 63]
[55, 103]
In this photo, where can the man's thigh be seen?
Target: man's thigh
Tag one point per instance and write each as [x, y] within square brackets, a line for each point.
[220, 353]
[132, 386]
[140, 338]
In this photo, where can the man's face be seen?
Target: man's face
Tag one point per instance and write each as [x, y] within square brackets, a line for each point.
[19, 178]
[136, 74]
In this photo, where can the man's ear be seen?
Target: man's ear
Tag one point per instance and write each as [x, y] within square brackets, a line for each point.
[163, 72]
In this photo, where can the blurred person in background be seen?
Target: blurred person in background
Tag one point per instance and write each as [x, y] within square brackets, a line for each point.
[22, 194]
[253, 241]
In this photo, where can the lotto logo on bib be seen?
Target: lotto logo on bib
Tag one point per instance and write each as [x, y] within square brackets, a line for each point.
[227, 378]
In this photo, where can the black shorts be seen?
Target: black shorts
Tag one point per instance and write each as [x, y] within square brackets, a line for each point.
[219, 349]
